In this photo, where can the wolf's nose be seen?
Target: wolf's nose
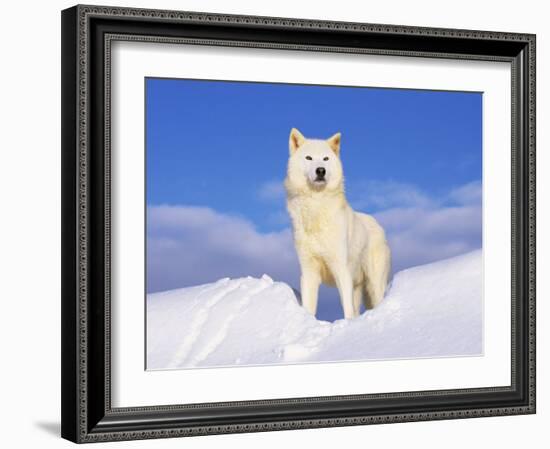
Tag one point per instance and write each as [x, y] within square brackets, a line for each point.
[320, 171]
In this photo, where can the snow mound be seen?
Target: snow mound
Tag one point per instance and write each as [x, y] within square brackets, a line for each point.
[433, 310]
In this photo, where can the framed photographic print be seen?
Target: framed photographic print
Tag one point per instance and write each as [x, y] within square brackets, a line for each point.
[275, 223]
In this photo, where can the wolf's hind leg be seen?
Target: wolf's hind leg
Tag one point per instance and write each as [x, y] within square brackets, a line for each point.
[369, 295]
[357, 299]
[377, 274]
[375, 289]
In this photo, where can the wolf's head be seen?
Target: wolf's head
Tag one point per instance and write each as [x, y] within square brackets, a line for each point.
[314, 164]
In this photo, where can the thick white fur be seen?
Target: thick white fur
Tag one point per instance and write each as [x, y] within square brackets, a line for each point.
[335, 245]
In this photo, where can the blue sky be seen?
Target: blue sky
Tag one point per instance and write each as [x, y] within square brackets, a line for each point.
[217, 154]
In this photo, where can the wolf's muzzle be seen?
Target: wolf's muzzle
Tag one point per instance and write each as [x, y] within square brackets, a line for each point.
[320, 172]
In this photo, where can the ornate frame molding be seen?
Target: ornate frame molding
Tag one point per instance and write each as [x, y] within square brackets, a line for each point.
[87, 419]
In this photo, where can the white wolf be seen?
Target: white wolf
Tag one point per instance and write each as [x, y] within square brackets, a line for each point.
[335, 245]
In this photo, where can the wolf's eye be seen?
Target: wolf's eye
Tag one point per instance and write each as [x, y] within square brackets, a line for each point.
[308, 158]
[325, 158]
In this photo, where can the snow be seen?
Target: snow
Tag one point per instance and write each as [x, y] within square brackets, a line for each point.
[432, 310]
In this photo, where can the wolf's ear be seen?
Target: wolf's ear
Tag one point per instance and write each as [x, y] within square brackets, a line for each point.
[334, 143]
[295, 140]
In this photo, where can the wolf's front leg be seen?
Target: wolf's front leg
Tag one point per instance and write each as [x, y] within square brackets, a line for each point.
[344, 283]
[309, 286]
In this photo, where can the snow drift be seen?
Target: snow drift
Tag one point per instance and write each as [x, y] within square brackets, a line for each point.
[433, 310]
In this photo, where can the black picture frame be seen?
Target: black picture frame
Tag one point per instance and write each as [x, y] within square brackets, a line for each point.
[87, 414]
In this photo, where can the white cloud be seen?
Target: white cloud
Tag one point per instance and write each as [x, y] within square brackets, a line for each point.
[419, 236]
[272, 191]
[189, 245]
[470, 193]
[436, 229]
[387, 194]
